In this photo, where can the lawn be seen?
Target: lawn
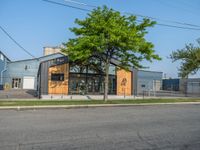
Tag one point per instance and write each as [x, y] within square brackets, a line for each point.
[90, 102]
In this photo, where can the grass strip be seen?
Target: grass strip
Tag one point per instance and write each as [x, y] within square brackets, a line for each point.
[92, 102]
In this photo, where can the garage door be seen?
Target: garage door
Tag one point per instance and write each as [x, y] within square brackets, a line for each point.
[28, 82]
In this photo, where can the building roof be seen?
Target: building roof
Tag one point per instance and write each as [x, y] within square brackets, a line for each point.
[4, 55]
[42, 57]
[53, 47]
[150, 71]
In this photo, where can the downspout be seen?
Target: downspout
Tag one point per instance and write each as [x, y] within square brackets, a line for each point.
[5, 68]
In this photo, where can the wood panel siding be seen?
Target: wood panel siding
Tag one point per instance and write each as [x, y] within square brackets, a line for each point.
[124, 82]
[58, 87]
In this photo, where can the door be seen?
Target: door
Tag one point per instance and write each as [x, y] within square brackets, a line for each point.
[16, 83]
[93, 85]
[28, 82]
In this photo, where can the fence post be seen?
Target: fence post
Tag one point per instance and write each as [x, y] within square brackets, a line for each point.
[143, 94]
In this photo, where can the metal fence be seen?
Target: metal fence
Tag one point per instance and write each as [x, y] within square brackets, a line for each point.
[186, 89]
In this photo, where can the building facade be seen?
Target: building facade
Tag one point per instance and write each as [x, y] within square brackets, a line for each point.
[190, 86]
[53, 73]
[60, 76]
[148, 81]
[3, 66]
[48, 50]
[23, 74]
[193, 86]
[139, 80]
[172, 84]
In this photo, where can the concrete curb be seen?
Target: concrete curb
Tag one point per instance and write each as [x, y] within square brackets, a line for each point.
[90, 106]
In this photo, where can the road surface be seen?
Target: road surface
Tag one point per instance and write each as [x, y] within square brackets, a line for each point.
[120, 128]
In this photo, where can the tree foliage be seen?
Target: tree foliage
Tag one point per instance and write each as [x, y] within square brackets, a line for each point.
[189, 57]
[108, 34]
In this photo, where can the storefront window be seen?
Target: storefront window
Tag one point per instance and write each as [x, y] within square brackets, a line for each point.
[57, 77]
[77, 68]
[89, 79]
[112, 69]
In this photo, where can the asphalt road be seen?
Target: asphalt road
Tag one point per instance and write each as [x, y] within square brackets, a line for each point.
[141, 127]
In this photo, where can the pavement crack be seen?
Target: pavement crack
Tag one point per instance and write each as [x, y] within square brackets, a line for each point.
[98, 136]
[153, 146]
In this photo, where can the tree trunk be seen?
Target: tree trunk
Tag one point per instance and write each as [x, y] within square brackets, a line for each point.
[106, 80]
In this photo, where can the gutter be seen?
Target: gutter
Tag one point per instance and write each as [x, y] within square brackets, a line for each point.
[5, 68]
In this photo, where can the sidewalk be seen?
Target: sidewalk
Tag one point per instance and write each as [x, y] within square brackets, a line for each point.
[91, 106]
[85, 97]
[88, 97]
[110, 97]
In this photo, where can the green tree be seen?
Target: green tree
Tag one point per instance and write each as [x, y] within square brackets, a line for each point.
[189, 57]
[109, 34]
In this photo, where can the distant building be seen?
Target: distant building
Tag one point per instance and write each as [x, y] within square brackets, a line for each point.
[3, 65]
[187, 86]
[193, 86]
[148, 81]
[171, 84]
[51, 50]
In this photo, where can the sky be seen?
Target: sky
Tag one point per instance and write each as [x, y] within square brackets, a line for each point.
[36, 24]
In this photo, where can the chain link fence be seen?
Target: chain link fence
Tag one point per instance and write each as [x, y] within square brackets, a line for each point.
[186, 89]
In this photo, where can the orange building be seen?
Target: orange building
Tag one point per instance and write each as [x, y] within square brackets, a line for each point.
[59, 76]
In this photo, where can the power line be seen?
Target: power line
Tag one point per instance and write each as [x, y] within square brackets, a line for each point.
[164, 20]
[188, 4]
[80, 3]
[19, 45]
[175, 6]
[158, 24]
[173, 26]
[139, 15]
[49, 1]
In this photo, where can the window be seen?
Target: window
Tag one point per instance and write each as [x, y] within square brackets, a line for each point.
[77, 68]
[112, 69]
[61, 60]
[27, 67]
[143, 85]
[57, 77]
[1, 57]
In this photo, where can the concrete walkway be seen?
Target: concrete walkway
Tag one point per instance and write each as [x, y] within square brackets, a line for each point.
[91, 106]
[17, 94]
[86, 97]
[100, 97]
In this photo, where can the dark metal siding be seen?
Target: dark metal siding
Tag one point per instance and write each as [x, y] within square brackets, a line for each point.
[43, 73]
[44, 78]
